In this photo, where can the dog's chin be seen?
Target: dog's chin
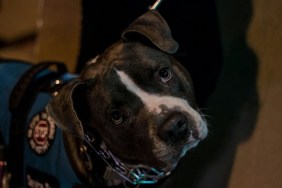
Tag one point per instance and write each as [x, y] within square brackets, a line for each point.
[189, 146]
[172, 158]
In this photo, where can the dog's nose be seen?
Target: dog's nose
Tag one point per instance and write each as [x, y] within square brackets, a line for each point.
[175, 129]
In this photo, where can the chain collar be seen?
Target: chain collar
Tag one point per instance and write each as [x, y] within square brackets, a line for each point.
[132, 174]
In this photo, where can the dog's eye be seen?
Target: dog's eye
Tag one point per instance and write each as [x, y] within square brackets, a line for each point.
[117, 117]
[165, 74]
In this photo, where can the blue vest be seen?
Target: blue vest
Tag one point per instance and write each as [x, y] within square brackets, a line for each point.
[51, 167]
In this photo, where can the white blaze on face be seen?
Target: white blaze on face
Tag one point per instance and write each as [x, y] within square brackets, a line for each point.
[154, 103]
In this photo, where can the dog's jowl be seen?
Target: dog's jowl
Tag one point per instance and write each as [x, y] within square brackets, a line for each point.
[129, 117]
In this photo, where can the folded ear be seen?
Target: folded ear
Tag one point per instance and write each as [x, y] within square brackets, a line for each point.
[62, 109]
[154, 27]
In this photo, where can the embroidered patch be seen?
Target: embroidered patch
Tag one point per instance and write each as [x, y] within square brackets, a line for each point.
[41, 133]
[36, 178]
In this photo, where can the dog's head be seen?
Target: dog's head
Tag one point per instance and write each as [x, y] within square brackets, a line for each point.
[137, 97]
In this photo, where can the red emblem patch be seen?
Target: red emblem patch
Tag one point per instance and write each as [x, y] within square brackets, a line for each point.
[41, 133]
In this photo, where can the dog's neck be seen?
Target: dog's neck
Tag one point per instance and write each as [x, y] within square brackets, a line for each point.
[96, 165]
[87, 165]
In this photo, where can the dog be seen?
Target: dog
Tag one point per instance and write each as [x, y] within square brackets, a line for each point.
[129, 117]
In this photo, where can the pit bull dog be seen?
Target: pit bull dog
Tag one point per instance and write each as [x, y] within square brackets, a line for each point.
[129, 117]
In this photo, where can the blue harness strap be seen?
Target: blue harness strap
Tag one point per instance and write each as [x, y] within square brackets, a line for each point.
[20, 103]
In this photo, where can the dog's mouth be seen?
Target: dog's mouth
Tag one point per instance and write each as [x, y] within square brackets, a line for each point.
[189, 146]
[194, 141]
[170, 151]
[171, 156]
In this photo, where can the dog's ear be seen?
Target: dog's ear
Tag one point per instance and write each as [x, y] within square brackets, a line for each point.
[153, 27]
[62, 108]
